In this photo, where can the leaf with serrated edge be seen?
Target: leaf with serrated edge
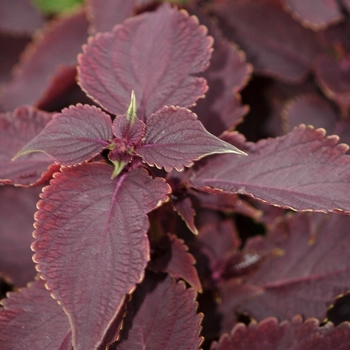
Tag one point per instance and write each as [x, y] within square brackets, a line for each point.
[91, 233]
[303, 170]
[175, 138]
[105, 14]
[157, 64]
[54, 50]
[326, 12]
[31, 319]
[292, 335]
[161, 315]
[16, 129]
[172, 256]
[285, 54]
[73, 136]
[313, 269]
[17, 208]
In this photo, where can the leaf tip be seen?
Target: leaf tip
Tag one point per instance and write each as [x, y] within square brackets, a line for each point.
[131, 112]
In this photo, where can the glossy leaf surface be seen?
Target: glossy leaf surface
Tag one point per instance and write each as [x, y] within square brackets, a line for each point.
[175, 138]
[157, 64]
[303, 170]
[292, 335]
[161, 304]
[73, 136]
[46, 325]
[90, 233]
[16, 129]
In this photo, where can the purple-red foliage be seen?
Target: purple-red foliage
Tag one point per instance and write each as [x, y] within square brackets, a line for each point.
[165, 220]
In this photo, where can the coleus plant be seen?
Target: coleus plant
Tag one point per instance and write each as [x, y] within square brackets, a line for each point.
[108, 247]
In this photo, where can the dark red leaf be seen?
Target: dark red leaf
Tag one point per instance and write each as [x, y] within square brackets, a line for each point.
[294, 335]
[317, 111]
[333, 76]
[13, 46]
[156, 64]
[226, 202]
[17, 208]
[171, 255]
[185, 209]
[73, 136]
[277, 45]
[105, 14]
[126, 131]
[16, 129]
[19, 17]
[91, 233]
[161, 315]
[219, 239]
[31, 319]
[326, 12]
[312, 271]
[303, 170]
[175, 138]
[57, 46]
[227, 74]
[114, 330]
[346, 3]
[311, 109]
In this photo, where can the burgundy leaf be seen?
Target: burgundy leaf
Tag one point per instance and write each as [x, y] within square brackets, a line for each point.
[16, 233]
[114, 330]
[185, 209]
[317, 111]
[294, 335]
[13, 46]
[16, 129]
[171, 255]
[311, 109]
[346, 4]
[234, 292]
[31, 319]
[219, 239]
[227, 74]
[57, 46]
[313, 270]
[124, 130]
[303, 170]
[161, 316]
[226, 202]
[73, 136]
[333, 76]
[105, 14]
[326, 12]
[90, 234]
[156, 64]
[59, 86]
[19, 17]
[175, 138]
[275, 44]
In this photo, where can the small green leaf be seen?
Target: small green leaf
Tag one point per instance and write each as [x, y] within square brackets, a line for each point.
[131, 112]
[118, 167]
[54, 6]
